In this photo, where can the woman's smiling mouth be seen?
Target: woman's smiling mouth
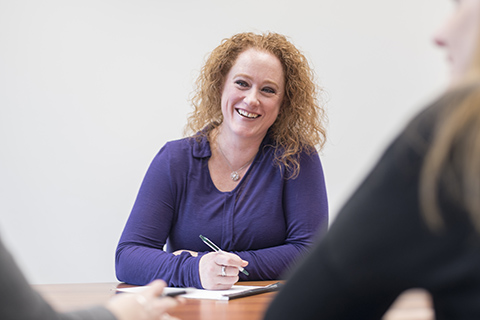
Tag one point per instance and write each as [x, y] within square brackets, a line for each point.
[246, 114]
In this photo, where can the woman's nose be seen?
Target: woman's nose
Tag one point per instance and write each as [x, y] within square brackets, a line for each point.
[251, 98]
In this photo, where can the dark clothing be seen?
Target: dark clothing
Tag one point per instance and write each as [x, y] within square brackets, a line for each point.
[379, 245]
[19, 302]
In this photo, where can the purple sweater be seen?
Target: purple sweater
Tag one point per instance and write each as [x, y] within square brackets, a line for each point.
[267, 220]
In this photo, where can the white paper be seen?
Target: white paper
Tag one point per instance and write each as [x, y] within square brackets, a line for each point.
[193, 293]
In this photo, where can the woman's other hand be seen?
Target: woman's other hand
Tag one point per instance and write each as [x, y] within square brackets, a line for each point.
[219, 270]
[192, 253]
[147, 305]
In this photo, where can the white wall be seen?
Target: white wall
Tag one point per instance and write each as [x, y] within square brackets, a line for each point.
[91, 89]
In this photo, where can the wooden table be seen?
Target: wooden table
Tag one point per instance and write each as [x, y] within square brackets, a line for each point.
[412, 305]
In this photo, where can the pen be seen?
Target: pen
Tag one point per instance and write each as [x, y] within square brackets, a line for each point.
[174, 293]
[251, 292]
[215, 248]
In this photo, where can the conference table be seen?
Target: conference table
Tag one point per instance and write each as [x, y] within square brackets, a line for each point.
[414, 304]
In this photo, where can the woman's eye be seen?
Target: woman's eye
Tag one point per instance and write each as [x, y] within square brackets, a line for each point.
[241, 83]
[268, 90]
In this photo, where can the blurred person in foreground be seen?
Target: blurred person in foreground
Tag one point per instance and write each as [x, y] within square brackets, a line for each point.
[18, 301]
[414, 222]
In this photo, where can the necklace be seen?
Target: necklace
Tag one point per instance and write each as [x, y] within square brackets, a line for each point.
[234, 174]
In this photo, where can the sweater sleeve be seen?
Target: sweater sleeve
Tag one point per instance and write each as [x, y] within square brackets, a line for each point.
[140, 255]
[305, 209]
[19, 301]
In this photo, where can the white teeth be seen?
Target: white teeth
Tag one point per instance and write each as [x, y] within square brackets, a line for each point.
[247, 114]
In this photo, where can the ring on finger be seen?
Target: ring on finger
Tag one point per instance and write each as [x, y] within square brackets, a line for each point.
[223, 271]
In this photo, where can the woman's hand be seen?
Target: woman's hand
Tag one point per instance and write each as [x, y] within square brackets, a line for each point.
[192, 253]
[219, 270]
[147, 305]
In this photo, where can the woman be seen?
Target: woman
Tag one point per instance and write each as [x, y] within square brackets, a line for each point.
[415, 220]
[249, 179]
[19, 301]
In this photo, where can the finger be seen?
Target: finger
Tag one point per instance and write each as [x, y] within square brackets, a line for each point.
[155, 288]
[225, 283]
[229, 271]
[179, 252]
[166, 316]
[228, 259]
[236, 263]
[165, 303]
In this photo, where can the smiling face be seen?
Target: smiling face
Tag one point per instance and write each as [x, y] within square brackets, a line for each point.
[252, 94]
[459, 36]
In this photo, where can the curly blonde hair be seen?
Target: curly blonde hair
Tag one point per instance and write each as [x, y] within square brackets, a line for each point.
[299, 126]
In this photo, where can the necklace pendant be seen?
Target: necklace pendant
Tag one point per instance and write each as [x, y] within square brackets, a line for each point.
[234, 175]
